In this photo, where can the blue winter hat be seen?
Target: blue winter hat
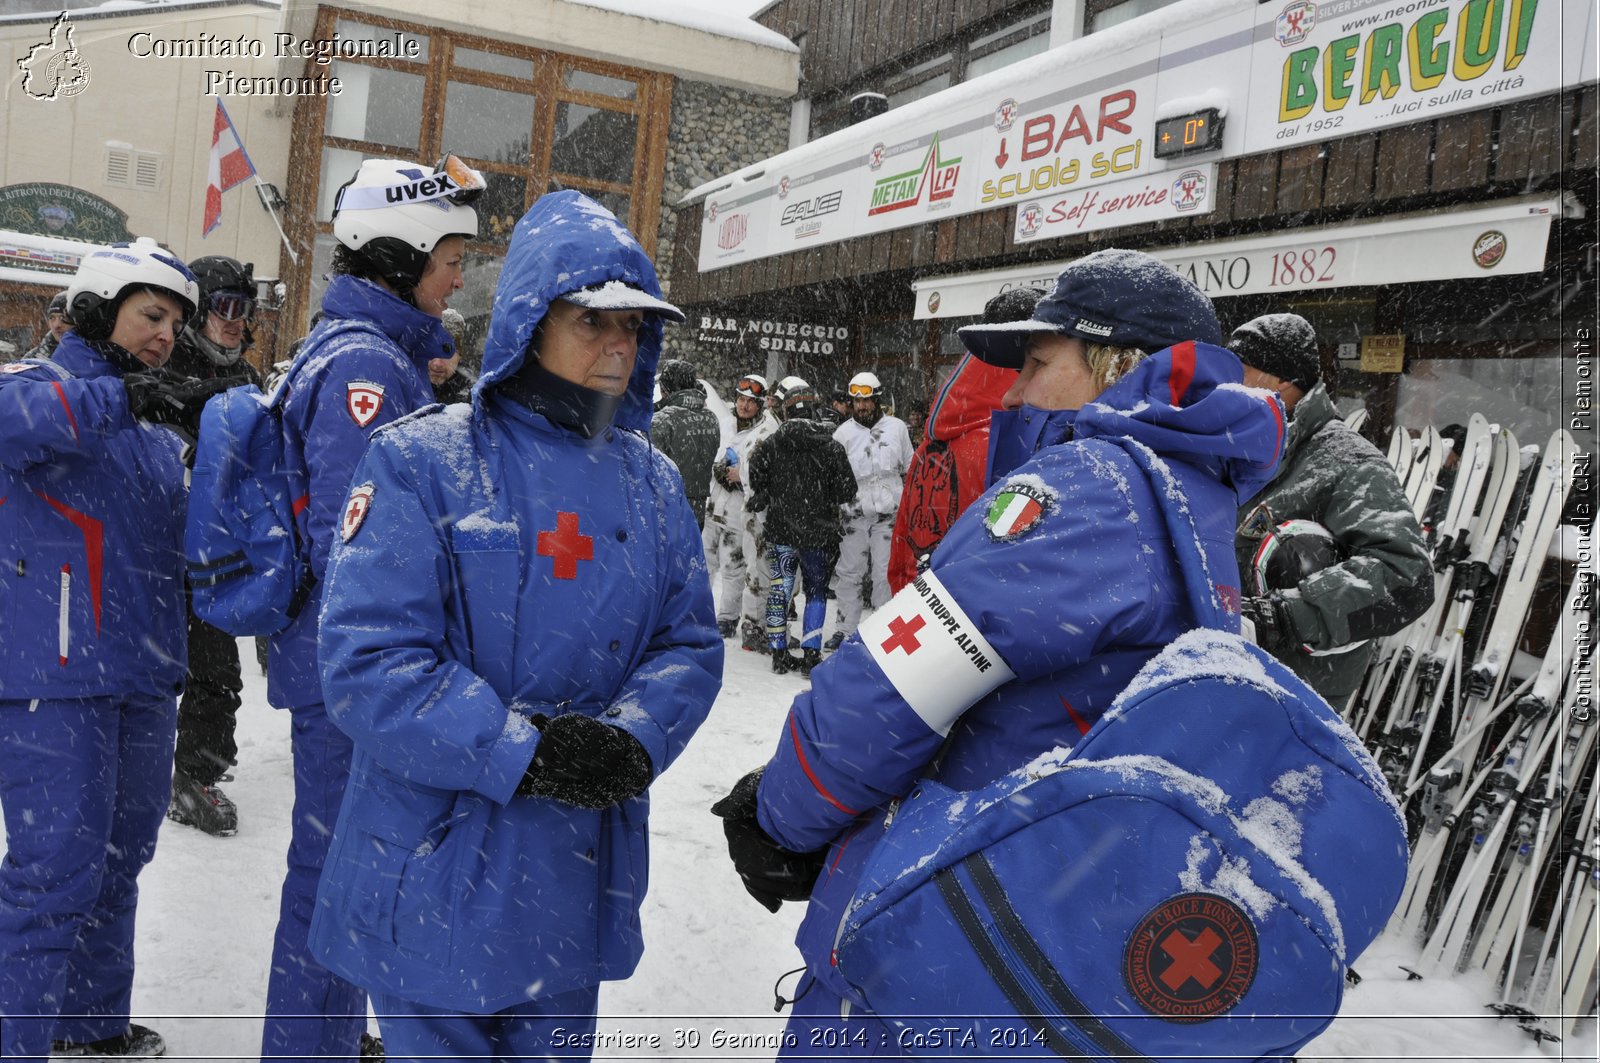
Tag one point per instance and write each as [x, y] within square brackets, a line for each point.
[1116, 297]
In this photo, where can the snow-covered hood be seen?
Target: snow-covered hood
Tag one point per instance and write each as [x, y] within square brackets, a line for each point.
[969, 395]
[567, 241]
[1187, 402]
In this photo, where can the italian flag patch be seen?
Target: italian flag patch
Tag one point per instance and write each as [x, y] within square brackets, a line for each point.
[1017, 508]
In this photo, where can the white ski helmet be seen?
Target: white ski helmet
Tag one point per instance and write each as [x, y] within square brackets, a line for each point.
[786, 385]
[866, 386]
[104, 275]
[395, 213]
[753, 386]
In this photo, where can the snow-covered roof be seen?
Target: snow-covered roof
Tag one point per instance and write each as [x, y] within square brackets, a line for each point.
[124, 7]
[707, 19]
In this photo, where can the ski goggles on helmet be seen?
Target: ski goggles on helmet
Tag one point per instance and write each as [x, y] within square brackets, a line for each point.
[470, 184]
[751, 389]
[231, 306]
[862, 391]
[452, 181]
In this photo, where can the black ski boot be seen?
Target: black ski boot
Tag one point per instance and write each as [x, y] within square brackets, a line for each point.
[136, 1042]
[783, 662]
[753, 637]
[727, 628]
[809, 659]
[195, 804]
[371, 1050]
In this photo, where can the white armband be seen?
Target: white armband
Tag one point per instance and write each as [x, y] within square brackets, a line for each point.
[932, 652]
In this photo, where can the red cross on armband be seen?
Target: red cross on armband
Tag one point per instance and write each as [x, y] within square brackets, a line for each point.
[566, 546]
[935, 656]
[904, 634]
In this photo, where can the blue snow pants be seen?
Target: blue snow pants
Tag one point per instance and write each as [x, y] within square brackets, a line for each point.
[84, 785]
[311, 1012]
[559, 1026]
[815, 568]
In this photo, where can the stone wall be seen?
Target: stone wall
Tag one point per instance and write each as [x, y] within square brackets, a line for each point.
[714, 131]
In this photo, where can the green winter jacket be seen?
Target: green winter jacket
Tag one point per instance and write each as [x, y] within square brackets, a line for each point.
[688, 433]
[1331, 475]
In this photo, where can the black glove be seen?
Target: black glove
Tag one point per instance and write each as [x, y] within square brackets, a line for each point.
[770, 873]
[161, 396]
[1275, 631]
[585, 762]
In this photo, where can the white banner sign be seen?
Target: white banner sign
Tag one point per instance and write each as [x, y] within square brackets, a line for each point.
[1351, 66]
[1505, 239]
[1174, 194]
[1084, 115]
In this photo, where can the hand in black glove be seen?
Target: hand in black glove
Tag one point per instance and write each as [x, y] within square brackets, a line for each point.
[585, 762]
[161, 396]
[770, 873]
[1275, 631]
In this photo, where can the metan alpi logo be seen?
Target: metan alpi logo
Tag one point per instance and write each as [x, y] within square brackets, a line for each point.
[56, 68]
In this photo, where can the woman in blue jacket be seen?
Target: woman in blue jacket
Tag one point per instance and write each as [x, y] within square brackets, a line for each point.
[518, 636]
[402, 232]
[1038, 607]
[91, 518]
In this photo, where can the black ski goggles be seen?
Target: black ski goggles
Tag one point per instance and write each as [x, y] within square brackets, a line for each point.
[231, 306]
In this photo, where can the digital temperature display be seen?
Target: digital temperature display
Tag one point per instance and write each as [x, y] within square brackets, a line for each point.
[1189, 134]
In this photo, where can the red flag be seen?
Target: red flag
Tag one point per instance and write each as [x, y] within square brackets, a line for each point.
[229, 166]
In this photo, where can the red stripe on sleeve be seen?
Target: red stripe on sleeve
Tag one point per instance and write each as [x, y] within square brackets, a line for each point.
[65, 405]
[805, 766]
[1077, 721]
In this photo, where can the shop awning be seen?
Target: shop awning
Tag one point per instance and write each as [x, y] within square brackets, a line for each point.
[28, 258]
[1498, 239]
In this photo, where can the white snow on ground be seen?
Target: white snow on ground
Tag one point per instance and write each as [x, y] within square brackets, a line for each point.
[209, 906]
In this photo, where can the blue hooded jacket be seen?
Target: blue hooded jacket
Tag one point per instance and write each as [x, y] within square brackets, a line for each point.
[1046, 597]
[91, 513]
[364, 366]
[506, 566]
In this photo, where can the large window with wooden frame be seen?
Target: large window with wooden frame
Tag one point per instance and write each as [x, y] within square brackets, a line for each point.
[533, 121]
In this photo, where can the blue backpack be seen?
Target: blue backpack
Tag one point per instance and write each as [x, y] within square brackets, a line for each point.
[1190, 881]
[249, 567]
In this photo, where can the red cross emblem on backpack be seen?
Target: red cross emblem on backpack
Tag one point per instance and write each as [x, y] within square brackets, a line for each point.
[363, 399]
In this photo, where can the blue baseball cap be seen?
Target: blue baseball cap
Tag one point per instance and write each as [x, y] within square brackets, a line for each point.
[1116, 297]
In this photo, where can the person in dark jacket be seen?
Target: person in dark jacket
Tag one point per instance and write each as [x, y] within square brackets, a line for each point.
[545, 647]
[92, 526]
[947, 470]
[402, 233]
[1041, 604]
[215, 345]
[1380, 577]
[802, 477]
[687, 432]
[55, 326]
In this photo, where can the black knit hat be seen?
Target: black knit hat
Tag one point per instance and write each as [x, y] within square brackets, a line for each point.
[676, 375]
[1281, 345]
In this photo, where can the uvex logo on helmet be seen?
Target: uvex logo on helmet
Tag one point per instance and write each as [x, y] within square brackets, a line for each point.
[1093, 328]
[428, 188]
